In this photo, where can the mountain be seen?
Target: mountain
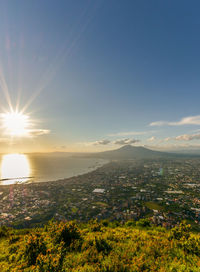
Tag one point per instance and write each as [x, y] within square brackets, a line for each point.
[133, 152]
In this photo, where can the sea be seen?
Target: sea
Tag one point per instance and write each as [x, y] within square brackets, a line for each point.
[26, 168]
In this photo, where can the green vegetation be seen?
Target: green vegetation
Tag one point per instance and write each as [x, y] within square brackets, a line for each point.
[154, 206]
[102, 204]
[74, 209]
[94, 247]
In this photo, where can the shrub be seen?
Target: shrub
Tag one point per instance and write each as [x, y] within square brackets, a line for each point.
[130, 223]
[52, 261]
[192, 246]
[33, 247]
[100, 244]
[144, 222]
[4, 231]
[105, 223]
[180, 232]
[64, 232]
[95, 225]
[120, 249]
[13, 239]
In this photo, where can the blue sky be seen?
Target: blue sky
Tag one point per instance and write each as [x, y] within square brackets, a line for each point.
[94, 75]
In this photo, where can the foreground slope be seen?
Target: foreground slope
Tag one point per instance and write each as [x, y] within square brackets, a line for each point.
[99, 247]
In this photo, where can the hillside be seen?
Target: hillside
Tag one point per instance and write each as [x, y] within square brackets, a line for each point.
[95, 247]
[133, 152]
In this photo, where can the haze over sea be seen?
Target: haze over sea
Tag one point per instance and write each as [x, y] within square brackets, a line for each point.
[21, 168]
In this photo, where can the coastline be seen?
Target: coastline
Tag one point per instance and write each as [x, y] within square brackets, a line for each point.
[90, 169]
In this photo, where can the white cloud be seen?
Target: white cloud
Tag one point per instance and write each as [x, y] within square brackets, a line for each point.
[37, 132]
[152, 139]
[102, 142]
[184, 137]
[167, 139]
[126, 141]
[108, 142]
[190, 120]
[158, 123]
[129, 133]
[188, 137]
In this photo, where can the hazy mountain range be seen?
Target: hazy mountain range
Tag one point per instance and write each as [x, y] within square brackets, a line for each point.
[135, 152]
[127, 152]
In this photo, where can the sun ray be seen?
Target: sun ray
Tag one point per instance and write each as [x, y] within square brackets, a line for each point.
[62, 55]
[4, 88]
[15, 123]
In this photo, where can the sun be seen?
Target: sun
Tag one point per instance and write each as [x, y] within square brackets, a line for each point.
[15, 123]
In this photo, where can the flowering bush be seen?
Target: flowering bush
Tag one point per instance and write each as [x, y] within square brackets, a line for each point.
[4, 231]
[180, 232]
[64, 232]
[68, 247]
[33, 247]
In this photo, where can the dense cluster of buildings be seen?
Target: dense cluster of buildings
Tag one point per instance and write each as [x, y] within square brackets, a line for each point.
[165, 191]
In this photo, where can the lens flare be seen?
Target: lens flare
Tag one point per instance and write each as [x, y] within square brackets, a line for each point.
[15, 123]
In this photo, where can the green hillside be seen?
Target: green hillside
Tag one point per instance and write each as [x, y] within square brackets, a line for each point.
[95, 247]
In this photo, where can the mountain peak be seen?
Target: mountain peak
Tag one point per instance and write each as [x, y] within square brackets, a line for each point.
[126, 147]
[129, 147]
[128, 152]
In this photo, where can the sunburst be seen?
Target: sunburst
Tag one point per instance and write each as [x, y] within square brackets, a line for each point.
[15, 123]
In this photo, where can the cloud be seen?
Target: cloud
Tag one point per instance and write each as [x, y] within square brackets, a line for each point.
[129, 133]
[167, 139]
[107, 142]
[153, 138]
[126, 141]
[184, 137]
[190, 120]
[188, 137]
[158, 123]
[102, 142]
[38, 132]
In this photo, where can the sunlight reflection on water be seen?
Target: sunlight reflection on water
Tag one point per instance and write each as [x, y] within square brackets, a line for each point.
[15, 168]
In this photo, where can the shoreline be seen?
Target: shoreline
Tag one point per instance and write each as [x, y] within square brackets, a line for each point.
[90, 170]
[66, 178]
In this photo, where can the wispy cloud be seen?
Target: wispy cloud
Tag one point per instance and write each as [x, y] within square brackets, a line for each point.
[188, 137]
[167, 139]
[102, 142]
[130, 133]
[183, 137]
[151, 139]
[108, 142]
[38, 132]
[126, 141]
[190, 120]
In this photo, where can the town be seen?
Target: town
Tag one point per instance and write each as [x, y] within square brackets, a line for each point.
[165, 191]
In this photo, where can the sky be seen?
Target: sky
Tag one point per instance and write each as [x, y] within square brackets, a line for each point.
[95, 75]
